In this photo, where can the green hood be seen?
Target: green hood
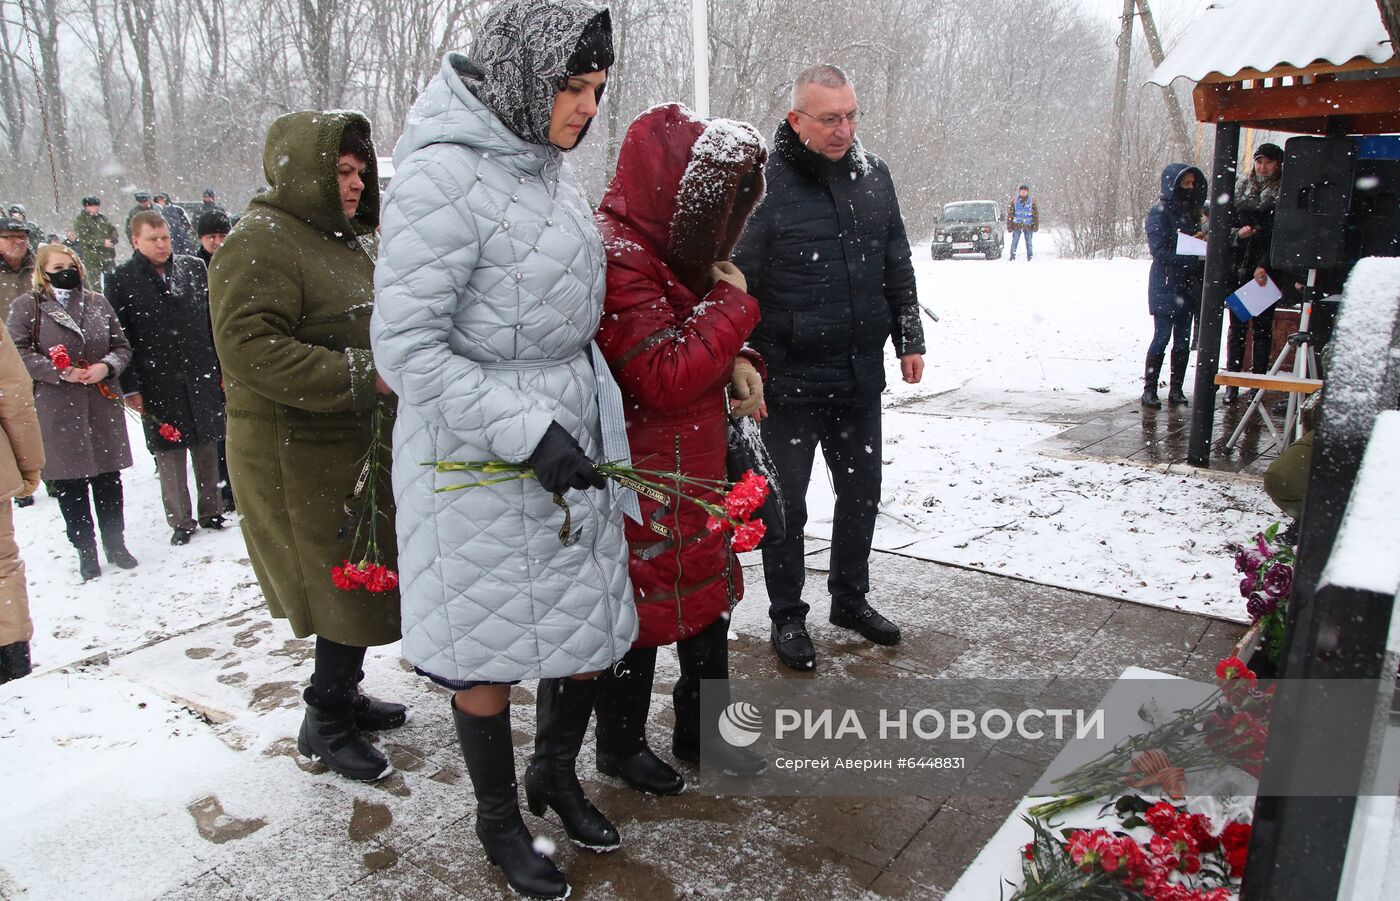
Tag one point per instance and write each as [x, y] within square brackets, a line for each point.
[299, 163]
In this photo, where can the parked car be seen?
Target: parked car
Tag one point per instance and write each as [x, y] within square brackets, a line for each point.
[968, 227]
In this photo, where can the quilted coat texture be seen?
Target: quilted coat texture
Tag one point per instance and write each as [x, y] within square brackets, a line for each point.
[290, 294]
[682, 192]
[489, 290]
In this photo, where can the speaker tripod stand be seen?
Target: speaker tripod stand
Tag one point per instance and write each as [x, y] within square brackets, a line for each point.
[1304, 379]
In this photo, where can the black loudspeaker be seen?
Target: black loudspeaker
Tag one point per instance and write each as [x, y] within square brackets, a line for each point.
[1310, 225]
[1373, 222]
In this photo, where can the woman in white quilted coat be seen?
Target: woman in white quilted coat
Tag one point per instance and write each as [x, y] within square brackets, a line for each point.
[489, 289]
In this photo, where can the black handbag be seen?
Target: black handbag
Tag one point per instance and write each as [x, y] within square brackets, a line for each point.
[747, 451]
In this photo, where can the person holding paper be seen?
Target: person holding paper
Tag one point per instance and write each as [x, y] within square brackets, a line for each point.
[1174, 283]
[1256, 197]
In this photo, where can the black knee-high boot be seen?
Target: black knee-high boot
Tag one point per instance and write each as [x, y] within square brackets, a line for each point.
[1180, 359]
[705, 655]
[1149, 380]
[562, 710]
[624, 700]
[486, 747]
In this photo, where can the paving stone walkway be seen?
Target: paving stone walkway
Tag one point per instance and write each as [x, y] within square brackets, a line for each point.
[412, 837]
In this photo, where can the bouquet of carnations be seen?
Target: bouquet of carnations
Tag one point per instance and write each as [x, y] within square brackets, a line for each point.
[1228, 728]
[734, 514]
[364, 567]
[58, 355]
[1182, 858]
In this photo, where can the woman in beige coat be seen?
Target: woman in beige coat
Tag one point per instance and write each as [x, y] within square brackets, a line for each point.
[21, 458]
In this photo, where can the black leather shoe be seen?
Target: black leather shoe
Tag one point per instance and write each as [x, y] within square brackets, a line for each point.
[643, 771]
[719, 755]
[212, 522]
[1232, 394]
[867, 622]
[330, 737]
[372, 715]
[794, 646]
[181, 536]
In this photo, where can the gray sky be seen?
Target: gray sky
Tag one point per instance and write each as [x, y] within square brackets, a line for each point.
[1171, 15]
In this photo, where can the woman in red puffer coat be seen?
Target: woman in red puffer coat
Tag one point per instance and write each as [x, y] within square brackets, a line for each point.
[674, 325]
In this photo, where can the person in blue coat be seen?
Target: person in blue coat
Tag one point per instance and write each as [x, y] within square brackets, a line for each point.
[1174, 283]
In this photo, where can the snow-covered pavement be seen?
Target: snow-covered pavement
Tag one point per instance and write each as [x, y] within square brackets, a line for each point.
[168, 754]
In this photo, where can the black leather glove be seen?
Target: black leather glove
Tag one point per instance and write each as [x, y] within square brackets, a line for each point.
[560, 464]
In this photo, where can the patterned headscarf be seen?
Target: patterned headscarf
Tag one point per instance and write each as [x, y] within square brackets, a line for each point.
[523, 52]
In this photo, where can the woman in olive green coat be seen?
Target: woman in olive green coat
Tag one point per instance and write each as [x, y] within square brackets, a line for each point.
[290, 293]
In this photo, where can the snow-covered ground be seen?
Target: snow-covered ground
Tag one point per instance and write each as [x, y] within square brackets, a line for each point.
[171, 742]
[1021, 352]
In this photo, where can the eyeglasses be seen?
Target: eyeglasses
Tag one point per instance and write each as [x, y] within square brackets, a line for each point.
[834, 119]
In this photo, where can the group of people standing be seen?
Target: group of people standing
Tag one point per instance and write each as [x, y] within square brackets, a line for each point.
[488, 313]
[1175, 279]
[93, 347]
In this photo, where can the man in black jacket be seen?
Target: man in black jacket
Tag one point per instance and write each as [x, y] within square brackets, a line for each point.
[162, 300]
[827, 257]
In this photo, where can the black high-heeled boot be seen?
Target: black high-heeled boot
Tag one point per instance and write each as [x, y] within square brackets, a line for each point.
[705, 655]
[486, 747]
[624, 700]
[563, 708]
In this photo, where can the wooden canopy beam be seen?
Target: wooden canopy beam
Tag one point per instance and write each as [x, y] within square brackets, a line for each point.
[1319, 68]
[1231, 102]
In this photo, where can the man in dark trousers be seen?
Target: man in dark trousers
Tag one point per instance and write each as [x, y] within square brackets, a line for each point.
[162, 300]
[827, 257]
[213, 227]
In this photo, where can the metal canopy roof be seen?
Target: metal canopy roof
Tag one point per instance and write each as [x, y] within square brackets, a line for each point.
[1262, 35]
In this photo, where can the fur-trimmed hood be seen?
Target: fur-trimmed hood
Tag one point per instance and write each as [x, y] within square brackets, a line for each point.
[687, 186]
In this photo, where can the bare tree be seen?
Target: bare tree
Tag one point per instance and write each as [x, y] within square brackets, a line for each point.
[138, 17]
[13, 91]
[41, 18]
[101, 37]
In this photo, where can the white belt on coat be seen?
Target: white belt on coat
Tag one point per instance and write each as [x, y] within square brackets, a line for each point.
[610, 413]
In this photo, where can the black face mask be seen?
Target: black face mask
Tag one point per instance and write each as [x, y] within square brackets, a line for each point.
[65, 279]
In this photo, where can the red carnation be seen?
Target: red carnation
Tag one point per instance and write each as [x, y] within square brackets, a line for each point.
[746, 496]
[59, 355]
[1233, 668]
[381, 578]
[348, 576]
[1161, 817]
[169, 432]
[1236, 858]
[747, 535]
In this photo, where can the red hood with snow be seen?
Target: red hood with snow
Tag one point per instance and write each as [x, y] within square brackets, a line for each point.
[684, 188]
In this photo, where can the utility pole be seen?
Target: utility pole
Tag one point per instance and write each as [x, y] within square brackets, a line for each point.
[700, 35]
[1119, 125]
[1154, 46]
